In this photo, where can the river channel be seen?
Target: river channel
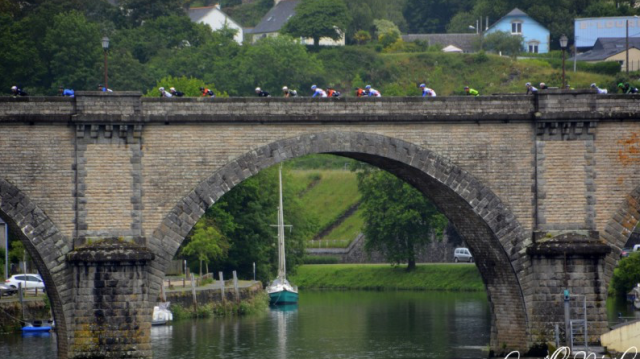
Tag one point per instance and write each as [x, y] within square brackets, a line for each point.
[326, 324]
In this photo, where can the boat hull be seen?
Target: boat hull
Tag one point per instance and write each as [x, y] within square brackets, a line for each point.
[283, 297]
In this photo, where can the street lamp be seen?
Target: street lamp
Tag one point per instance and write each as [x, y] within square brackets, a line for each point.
[105, 47]
[563, 45]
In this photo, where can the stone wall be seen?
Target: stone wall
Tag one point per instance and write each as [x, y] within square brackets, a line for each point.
[214, 295]
[510, 172]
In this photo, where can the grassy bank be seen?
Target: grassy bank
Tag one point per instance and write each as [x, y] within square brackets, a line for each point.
[256, 304]
[441, 277]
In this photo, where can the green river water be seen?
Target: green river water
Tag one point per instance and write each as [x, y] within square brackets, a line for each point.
[325, 324]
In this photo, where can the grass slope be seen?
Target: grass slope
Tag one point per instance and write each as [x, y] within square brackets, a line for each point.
[438, 277]
[331, 196]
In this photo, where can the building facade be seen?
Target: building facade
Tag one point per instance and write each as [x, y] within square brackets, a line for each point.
[216, 19]
[536, 36]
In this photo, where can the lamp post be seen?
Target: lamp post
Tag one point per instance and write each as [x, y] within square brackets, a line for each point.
[563, 45]
[105, 47]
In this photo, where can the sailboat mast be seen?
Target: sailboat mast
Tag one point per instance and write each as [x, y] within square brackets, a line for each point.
[282, 268]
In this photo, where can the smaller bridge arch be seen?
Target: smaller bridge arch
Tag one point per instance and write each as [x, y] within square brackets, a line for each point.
[46, 245]
[492, 232]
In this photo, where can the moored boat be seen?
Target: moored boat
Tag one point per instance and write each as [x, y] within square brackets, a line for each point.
[161, 314]
[280, 290]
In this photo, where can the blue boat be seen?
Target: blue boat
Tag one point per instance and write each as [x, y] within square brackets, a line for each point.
[280, 290]
[31, 329]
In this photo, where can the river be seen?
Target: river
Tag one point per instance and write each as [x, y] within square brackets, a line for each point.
[326, 324]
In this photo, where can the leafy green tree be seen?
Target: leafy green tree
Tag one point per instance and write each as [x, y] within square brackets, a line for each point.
[190, 86]
[246, 216]
[503, 42]
[398, 218]
[206, 243]
[385, 27]
[289, 63]
[319, 18]
[20, 62]
[460, 23]
[168, 32]
[627, 275]
[362, 37]
[138, 11]
[72, 46]
[432, 16]
[127, 73]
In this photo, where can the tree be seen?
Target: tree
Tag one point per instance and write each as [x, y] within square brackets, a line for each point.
[289, 64]
[72, 46]
[206, 243]
[362, 37]
[246, 214]
[139, 11]
[317, 19]
[627, 275]
[460, 23]
[503, 42]
[398, 218]
[189, 86]
[431, 16]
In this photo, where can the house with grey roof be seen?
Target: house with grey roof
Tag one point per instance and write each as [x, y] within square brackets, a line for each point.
[274, 20]
[216, 19]
[464, 42]
[614, 49]
[517, 23]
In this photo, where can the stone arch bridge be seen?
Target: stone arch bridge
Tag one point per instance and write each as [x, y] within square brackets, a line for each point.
[104, 187]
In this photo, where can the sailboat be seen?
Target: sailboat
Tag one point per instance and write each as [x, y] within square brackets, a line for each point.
[280, 290]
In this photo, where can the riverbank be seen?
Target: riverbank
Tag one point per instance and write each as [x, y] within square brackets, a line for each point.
[209, 302]
[435, 277]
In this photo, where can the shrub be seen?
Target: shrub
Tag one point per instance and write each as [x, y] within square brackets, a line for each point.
[626, 276]
[321, 260]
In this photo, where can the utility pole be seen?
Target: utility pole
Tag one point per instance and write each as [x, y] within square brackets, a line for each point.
[626, 63]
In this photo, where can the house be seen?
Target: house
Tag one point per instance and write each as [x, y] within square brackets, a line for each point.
[450, 42]
[536, 36]
[588, 30]
[274, 20]
[216, 19]
[614, 49]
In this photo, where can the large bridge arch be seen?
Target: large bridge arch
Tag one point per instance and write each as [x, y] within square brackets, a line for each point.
[492, 232]
[46, 245]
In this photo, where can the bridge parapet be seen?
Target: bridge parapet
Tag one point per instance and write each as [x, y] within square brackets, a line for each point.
[130, 107]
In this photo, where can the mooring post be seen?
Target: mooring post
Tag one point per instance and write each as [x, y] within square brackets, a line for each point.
[567, 318]
[235, 286]
[193, 293]
[221, 285]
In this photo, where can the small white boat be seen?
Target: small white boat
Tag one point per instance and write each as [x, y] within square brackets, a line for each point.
[161, 314]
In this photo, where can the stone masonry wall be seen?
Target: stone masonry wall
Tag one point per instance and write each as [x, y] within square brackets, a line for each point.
[501, 168]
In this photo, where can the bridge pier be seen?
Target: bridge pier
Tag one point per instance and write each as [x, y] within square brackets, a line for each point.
[566, 262]
[111, 312]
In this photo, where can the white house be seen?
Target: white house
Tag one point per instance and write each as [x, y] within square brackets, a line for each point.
[216, 19]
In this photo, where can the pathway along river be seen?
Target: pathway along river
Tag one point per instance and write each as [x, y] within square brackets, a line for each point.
[326, 324]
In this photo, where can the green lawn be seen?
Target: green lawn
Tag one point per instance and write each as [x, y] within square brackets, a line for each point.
[347, 230]
[438, 277]
[332, 195]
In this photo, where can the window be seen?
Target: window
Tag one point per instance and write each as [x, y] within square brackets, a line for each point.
[533, 47]
[516, 27]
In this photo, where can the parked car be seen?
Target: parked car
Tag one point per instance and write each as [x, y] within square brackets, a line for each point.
[28, 281]
[462, 255]
[5, 289]
[625, 252]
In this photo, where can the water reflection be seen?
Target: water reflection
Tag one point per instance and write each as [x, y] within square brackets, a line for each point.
[281, 316]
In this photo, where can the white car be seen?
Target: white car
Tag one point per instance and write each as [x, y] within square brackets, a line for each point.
[28, 281]
[462, 255]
